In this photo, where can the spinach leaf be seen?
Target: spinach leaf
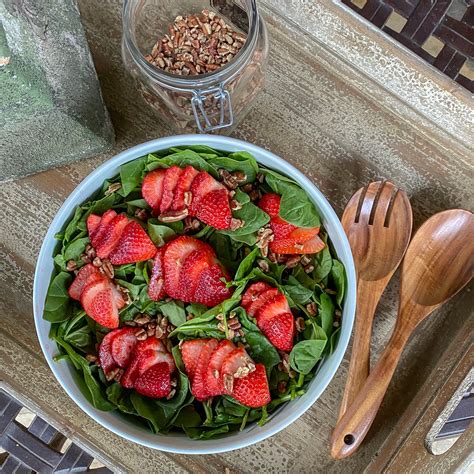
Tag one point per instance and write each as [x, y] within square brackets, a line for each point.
[119, 397]
[200, 433]
[60, 262]
[261, 350]
[296, 291]
[337, 275]
[326, 312]
[196, 309]
[131, 174]
[73, 223]
[305, 355]
[56, 306]
[239, 161]
[322, 264]
[75, 249]
[334, 340]
[160, 234]
[103, 204]
[187, 157]
[175, 312]
[147, 408]
[188, 417]
[246, 264]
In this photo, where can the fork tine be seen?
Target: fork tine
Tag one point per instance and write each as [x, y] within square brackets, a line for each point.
[369, 201]
[384, 204]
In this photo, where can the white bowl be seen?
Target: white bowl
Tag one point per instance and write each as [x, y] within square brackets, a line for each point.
[177, 443]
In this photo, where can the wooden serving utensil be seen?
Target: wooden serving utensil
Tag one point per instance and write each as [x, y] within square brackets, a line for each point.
[378, 222]
[439, 262]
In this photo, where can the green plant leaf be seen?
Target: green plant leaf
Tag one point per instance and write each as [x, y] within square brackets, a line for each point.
[296, 291]
[175, 312]
[56, 306]
[72, 227]
[326, 312]
[75, 249]
[261, 350]
[305, 355]
[147, 408]
[322, 264]
[160, 234]
[338, 278]
[131, 174]
[239, 161]
[246, 264]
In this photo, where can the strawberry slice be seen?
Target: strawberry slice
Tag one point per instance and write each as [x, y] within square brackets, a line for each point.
[303, 234]
[81, 279]
[150, 343]
[123, 345]
[154, 382]
[290, 246]
[276, 305]
[105, 220]
[270, 203]
[106, 361]
[261, 301]
[210, 290]
[156, 287]
[152, 188]
[190, 352]
[202, 184]
[169, 184]
[97, 299]
[174, 256]
[134, 246]
[253, 292]
[183, 186]
[235, 365]
[252, 390]
[111, 236]
[117, 295]
[281, 229]
[197, 261]
[214, 381]
[214, 209]
[199, 385]
[92, 223]
[280, 331]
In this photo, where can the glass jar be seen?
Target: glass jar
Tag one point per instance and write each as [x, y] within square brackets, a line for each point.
[214, 101]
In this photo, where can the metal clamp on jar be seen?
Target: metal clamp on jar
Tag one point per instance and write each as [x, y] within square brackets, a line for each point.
[206, 100]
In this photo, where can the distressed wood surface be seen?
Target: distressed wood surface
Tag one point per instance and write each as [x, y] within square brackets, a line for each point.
[325, 118]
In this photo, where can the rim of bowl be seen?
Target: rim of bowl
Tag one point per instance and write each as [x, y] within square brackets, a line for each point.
[217, 445]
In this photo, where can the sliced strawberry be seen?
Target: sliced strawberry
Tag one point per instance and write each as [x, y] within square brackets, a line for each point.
[281, 229]
[123, 345]
[303, 234]
[134, 246]
[276, 305]
[261, 301]
[152, 188]
[154, 382]
[175, 254]
[111, 236]
[150, 343]
[290, 246]
[81, 279]
[98, 301]
[270, 203]
[280, 331]
[105, 220]
[92, 223]
[253, 292]
[252, 390]
[214, 381]
[169, 184]
[210, 290]
[202, 184]
[117, 295]
[214, 209]
[197, 261]
[237, 364]
[106, 361]
[183, 186]
[156, 287]
[190, 352]
[199, 385]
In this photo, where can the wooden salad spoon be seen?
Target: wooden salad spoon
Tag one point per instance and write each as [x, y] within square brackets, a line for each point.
[439, 262]
[378, 222]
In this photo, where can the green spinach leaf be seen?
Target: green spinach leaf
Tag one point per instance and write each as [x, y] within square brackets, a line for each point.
[175, 312]
[337, 275]
[131, 174]
[305, 355]
[56, 306]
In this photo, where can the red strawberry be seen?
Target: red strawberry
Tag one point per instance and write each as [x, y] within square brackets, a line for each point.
[98, 301]
[156, 287]
[280, 331]
[92, 223]
[111, 236]
[252, 390]
[290, 246]
[123, 345]
[150, 343]
[214, 382]
[169, 185]
[155, 382]
[81, 279]
[199, 385]
[281, 229]
[183, 186]
[214, 209]
[270, 203]
[202, 184]
[197, 261]
[303, 234]
[261, 301]
[105, 220]
[190, 352]
[276, 305]
[106, 361]
[134, 246]
[253, 291]
[117, 295]
[211, 290]
[152, 188]
[237, 364]
[175, 254]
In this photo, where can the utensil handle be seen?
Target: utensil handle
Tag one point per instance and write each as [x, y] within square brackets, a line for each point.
[359, 366]
[353, 426]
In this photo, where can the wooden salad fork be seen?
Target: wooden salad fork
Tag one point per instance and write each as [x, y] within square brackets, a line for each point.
[378, 223]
